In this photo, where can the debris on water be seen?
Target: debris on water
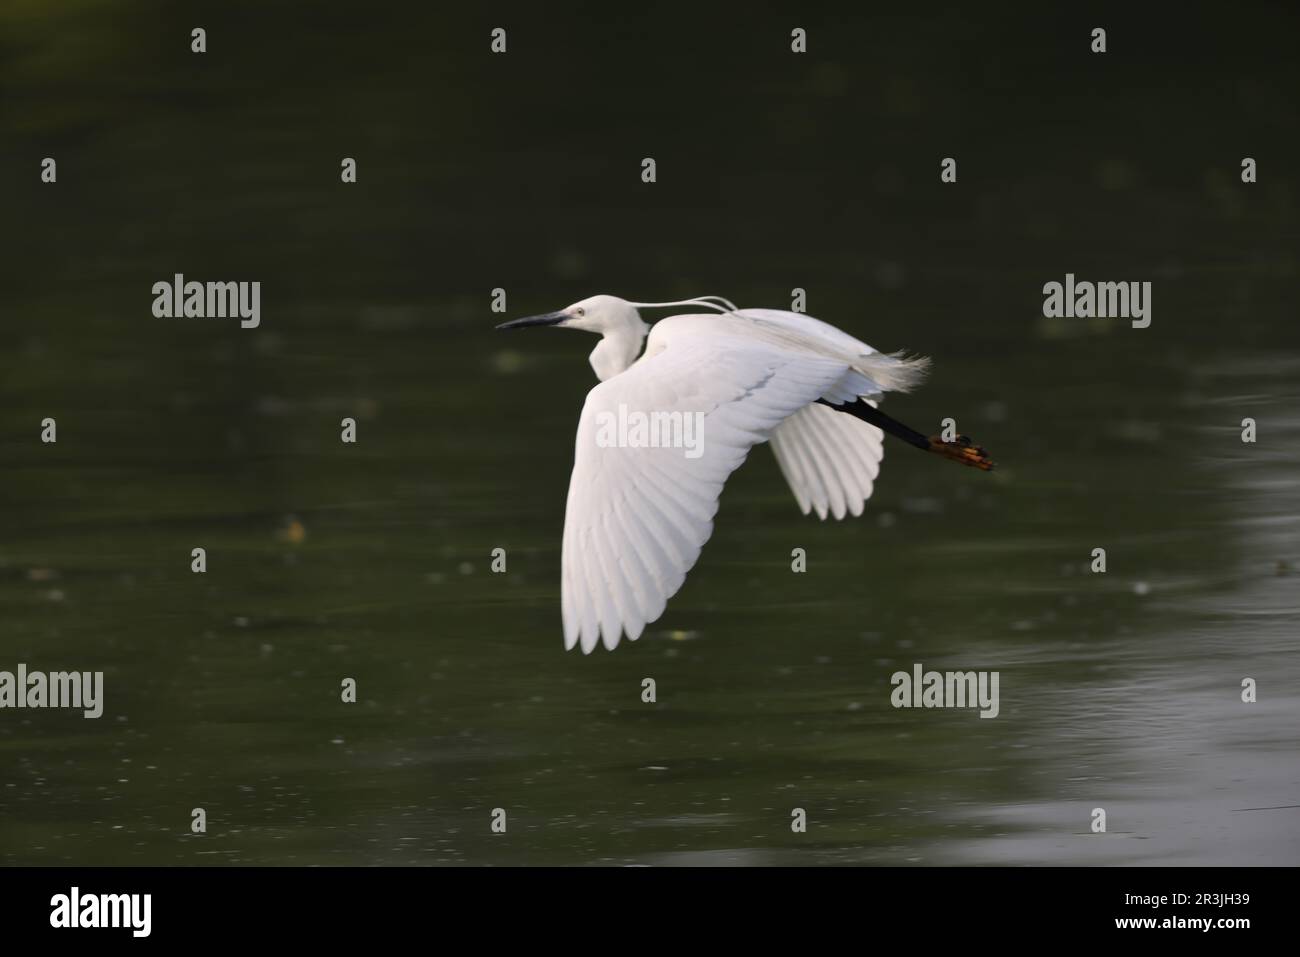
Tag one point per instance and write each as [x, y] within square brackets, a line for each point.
[508, 362]
[292, 531]
[993, 411]
[272, 405]
[923, 506]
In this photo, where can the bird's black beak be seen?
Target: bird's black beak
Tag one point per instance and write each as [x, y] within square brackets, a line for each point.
[549, 319]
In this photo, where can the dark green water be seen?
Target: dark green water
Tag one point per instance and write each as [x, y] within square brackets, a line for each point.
[1119, 690]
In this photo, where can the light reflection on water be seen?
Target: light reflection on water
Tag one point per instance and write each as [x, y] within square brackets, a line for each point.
[1188, 773]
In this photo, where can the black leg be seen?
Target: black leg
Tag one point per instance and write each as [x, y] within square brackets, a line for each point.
[867, 412]
[960, 451]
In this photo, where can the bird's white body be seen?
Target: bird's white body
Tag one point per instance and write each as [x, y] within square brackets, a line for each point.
[638, 514]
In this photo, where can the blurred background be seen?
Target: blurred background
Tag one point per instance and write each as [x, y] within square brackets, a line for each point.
[522, 171]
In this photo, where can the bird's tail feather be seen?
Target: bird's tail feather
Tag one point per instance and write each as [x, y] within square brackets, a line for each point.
[893, 371]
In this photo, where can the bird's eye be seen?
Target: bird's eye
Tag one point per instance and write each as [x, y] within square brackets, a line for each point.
[581, 311]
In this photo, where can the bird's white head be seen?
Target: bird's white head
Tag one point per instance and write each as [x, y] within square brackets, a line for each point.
[620, 326]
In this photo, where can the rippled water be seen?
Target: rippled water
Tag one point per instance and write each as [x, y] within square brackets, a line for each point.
[371, 561]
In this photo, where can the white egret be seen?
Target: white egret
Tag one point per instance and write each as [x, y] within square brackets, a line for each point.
[641, 505]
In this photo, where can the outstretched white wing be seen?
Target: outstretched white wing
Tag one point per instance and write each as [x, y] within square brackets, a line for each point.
[637, 514]
[830, 459]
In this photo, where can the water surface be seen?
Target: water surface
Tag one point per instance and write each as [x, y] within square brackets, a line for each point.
[371, 561]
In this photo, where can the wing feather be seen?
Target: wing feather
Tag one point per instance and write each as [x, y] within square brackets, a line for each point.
[829, 459]
[637, 517]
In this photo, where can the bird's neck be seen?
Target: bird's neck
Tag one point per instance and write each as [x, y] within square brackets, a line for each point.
[617, 350]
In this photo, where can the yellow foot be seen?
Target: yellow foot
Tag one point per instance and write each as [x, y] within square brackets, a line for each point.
[962, 451]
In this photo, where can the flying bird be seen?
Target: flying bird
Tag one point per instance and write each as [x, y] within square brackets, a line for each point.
[664, 428]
